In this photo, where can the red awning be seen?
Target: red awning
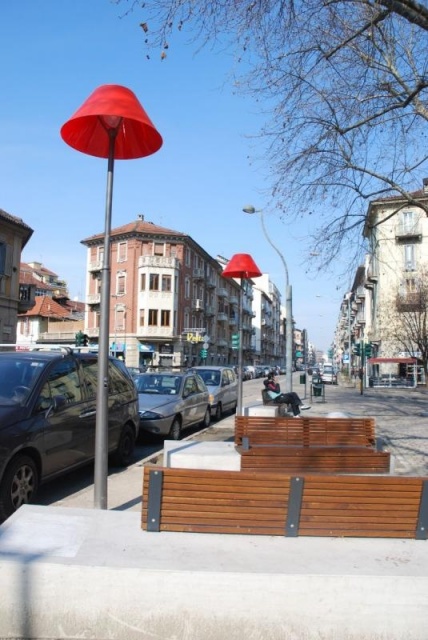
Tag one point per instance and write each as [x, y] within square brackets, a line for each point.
[392, 360]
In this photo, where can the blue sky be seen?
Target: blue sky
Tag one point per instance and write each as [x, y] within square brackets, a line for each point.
[54, 54]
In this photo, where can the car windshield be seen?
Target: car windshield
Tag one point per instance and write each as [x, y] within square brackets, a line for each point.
[161, 383]
[210, 377]
[17, 378]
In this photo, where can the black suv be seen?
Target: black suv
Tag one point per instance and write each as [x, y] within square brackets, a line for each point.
[47, 418]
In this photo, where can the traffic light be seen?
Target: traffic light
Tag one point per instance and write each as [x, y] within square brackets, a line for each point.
[203, 353]
[235, 340]
[368, 349]
[356, 349]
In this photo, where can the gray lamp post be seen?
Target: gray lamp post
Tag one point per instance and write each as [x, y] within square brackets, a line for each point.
[288, 304]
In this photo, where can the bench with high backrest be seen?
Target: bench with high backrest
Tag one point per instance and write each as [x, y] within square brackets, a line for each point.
[299, 459]
[243, 502]
[307, 431]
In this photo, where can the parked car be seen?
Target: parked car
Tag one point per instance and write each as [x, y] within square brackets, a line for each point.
[328, 375]
[136, 371]
[172, 401]
[47, 418]
[222, 384]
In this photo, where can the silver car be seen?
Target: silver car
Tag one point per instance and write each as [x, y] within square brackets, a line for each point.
[222, 384]
[172, 401]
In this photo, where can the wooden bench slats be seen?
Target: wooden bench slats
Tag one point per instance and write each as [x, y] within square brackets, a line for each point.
[307, 431]
[328, 505]
[314, 459]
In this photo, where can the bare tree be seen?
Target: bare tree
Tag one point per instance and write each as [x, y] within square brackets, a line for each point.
[343, 86]
[407, 320]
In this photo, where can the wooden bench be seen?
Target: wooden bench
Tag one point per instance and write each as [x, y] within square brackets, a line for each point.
[314, 459]
[204, 501]
[307, 431]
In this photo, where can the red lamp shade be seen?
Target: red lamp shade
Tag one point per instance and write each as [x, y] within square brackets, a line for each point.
[112, 106]
[241, 265]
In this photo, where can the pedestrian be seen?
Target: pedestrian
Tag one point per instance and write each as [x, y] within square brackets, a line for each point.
[291, 398]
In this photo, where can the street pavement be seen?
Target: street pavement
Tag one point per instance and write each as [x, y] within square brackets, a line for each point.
[401, 423]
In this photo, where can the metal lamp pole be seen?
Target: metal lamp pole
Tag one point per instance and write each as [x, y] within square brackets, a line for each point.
[110, 124]
[288, 304]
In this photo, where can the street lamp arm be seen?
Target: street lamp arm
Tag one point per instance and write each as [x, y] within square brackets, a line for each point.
[284, 264]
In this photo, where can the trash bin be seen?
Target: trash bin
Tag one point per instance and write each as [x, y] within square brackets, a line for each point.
[317, 389]
[303, 378]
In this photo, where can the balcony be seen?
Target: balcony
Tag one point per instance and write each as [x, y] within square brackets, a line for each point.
[209, 311]
[222, 292]
[408, 231]
[360, 292]
[222, 317]
[210, 283]
[233, 300]
[95, 266]
[158, 261]
[94, 298]
[233, 321]
[198, 274]
[197, 304]
[411, 301]
[27, 300]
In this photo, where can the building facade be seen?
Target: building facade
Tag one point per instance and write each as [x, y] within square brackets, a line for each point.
[169, 304]
[15, 297]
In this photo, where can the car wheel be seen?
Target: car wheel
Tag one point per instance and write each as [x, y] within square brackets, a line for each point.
[207, 418]
[175, 431]
[124, 453]
[19, 485]
[218, 411]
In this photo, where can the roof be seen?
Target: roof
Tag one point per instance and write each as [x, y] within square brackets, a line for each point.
[138, 227]
[18, 222]
[46, 307]
[392, 360]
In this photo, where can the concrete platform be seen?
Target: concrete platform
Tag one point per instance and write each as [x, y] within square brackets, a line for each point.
[67, 573]
[201, 455]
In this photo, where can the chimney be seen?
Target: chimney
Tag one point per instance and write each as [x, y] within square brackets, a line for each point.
[425, 183]
[141, 217]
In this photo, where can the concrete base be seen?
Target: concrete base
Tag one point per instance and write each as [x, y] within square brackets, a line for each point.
[67, 573]
[264, 410]
[201, 455]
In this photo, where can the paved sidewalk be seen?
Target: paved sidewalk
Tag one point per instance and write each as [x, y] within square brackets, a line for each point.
[401, 420]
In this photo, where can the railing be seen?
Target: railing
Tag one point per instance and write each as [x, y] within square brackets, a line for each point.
[158, 261]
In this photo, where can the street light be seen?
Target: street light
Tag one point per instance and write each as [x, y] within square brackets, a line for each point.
[288, 304]
[241, 266]
[111, 124]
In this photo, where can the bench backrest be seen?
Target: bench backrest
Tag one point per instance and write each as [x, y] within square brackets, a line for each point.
[314, 459]
[307, 431]
[204, 501]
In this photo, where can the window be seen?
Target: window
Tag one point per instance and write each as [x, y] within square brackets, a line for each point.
[187, 288]
[120, 320]
[143, 282]
[408, 220]
[142, 315]
[173, 250]
[188, 257]
[154, 282]
[166, 283]
[409, 257]
[122, 251]
[120, 284]
[165, 318]
[158, 248]
[5, 259]
[153, 317]
[63, 381]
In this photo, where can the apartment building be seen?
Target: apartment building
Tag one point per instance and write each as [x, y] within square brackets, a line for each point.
[15, 297]
[169, 304]
[390, 286]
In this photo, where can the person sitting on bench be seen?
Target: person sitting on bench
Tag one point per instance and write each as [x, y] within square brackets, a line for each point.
[290, 398]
